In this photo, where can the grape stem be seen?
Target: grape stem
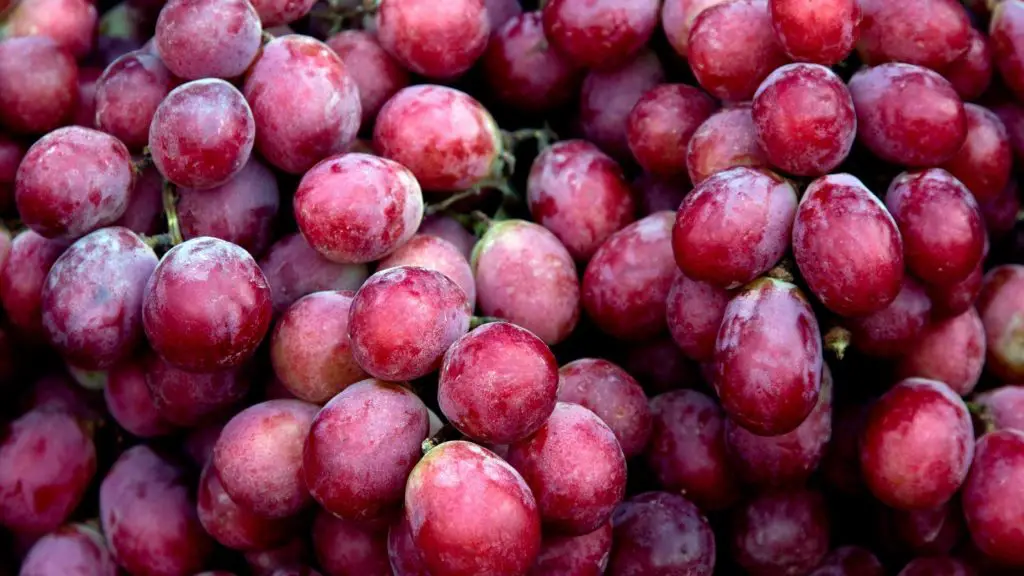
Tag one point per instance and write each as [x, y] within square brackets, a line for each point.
[266, 37]
[140, 164]
[158, 241]
[445, 434]
[837, 340]
[543, 136]
[783, 271]
[983, 415]
[446, 204]
[170, 198]
[478, 321]
[476, 222]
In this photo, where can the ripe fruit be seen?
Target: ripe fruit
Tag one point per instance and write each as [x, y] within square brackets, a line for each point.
[600, 34]
[929, 33]
[128, 94]
[344, 546]
[992, 496]
[984, 162]
[70, 548]
[71, 23]
[38, 84]
[439, 41]
[129, 402]
[725, 140]
[376, 74]
[586, 554]
[208, 38]
[999, 305]
[1004, 407]
[694, 312]
[893, 330]
[781, 532]
[651, 522]
[677, 17]
[434, 253]
[971, 73]
[951, 351]
[822, 32]
[661, 125]
[293, 270]
[22, 278]
[608, 96]
[232, 525]
[1007, 45]
[277, 12]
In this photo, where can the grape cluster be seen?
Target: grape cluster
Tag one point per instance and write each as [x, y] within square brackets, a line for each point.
[511, 287]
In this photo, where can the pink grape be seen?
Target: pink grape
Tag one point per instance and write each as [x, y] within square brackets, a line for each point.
[128, 94]
[677, 18]
[984, 162]
[955, 299]
[38, 85]
[893, 330]
[447, 228]
[992, 496]
[781, 532]
[929, 33]
[694, 312]
[727, 139]
[129, 402]
[404, 556]
[345, 547]
[611, 393]
[71, 23]
[376, 74]
[999, 305]
[22, 278]
[439, 41]
[208, 38]
[232, 525]
[296, 552]
[279, 12]
[72, 550]
[294, 269]
[434, 253]
[951, 351]
[648, 524]
[585, 555]
[190, 398]
[822, 33]
[600, 34]
[1004, 407]
[1007, 46]
[662, 123]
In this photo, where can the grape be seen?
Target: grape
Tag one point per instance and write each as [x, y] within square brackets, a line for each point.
[585, 555]
[660, 534]
[687, 450]
[951, 351]
[734, 226]
[659, 366]
[357, 208]
[626, 283]
[694, 314]
[929, 33]
[198, 442]
[434, 253]
[984, 162]
[376, 74]
[293, 269]
[71, 23]
[145, 214]
[38, 85]
[242, 211]
[822, 32]
[208, 38]
[733, 48]
[656, 194]
[608, 96]
[971, 73]
[73, 181]
[661, 125]
[22, 280]
[345, 469]
[149, 518]
[847, 246]
[130, 404]
[769, 326]
[206, 306]
[310, 347]
[841, 464]
[789, 459]
[600, 34]
[11, 153]
[727, 139]
[56, 392]
[279, 12]
[487, 367]
[501, 11]
[781, 532]
[259, 457]
[85, 108]
[1007, 46]
[448, 228]
[907, 114]
[445, 137]
[202, 134]
[940, 223]
[128, 94]
[232, 525]
[1002, 313]
[345, 547]
[1012, 116]
[304, 101]
[849, 561]
[72, 550]
[937, 565]
[575, 469]
[526, 276]
[265, 562]
[47, 460]
[436, 40]
[433, 312]
[580, 194]
[930, 531]
[895, 329]
[470, 513]
[523, 71]
[677, 17]
[613, 395]
[805, 119]
[1003, 407]
[405, 558]
[190, 398]
[1000, 213]
[916, 445]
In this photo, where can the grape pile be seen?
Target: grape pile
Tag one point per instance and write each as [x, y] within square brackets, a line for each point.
[511, 287]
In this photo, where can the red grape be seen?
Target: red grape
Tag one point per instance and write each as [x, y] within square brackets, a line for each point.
[145, 214]
[293, 269]
[278, 12]
[71, 23]
[936, 566]
[357, 208]
[128, 94]
[1012, 116]
[345, 548]
[267, 562]
[687, 450]
[984, 162]
[73, 181]
[434, 253]
[733, 48]
[971, 73]
[820, 32]
[602, 33]
[841, 464]
[445, 137]
[208, 38]
[501, 11]
[677, 17]
[805, 119]
[447, 228]
[627, 281]
[907, 114]
[310, 347]
[895, 329]
[232, 525]
[727, 139]
[661, 125]
[931, 531]
[847, 246]
[376, 74]
[436, 40]
[955, 299]
[130, 404]
[951, 351]
[694, 312]
[202, 134]
[470, 513]
[849, 561]
[149, 516]
[1006, 32]
[345, 468]
[608, 96]
[916, 445]
[580, 194]
[405, 557]
[47, 460]
[72, 550]
[526, 276]
[1003, 407]
[659, 366]
[769, 327]
[1001, 306]
[11, 153]
[242, 211]
[432, 313]
[38, 85]
[929, 33]
[660, 534]
[1000, 213]
[190, 398]
[612, 394]
[523, 71]
[656, 194]
[992, 497]
[85, 108]
[304, 101]
[22, 279]
[734, 226]
[585, 555]
[781, 532]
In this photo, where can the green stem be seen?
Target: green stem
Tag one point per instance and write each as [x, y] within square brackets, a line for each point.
[478, 321]
[170, 199]
[981, 412]
[446, 434]
[837, 340]
[447, 203]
